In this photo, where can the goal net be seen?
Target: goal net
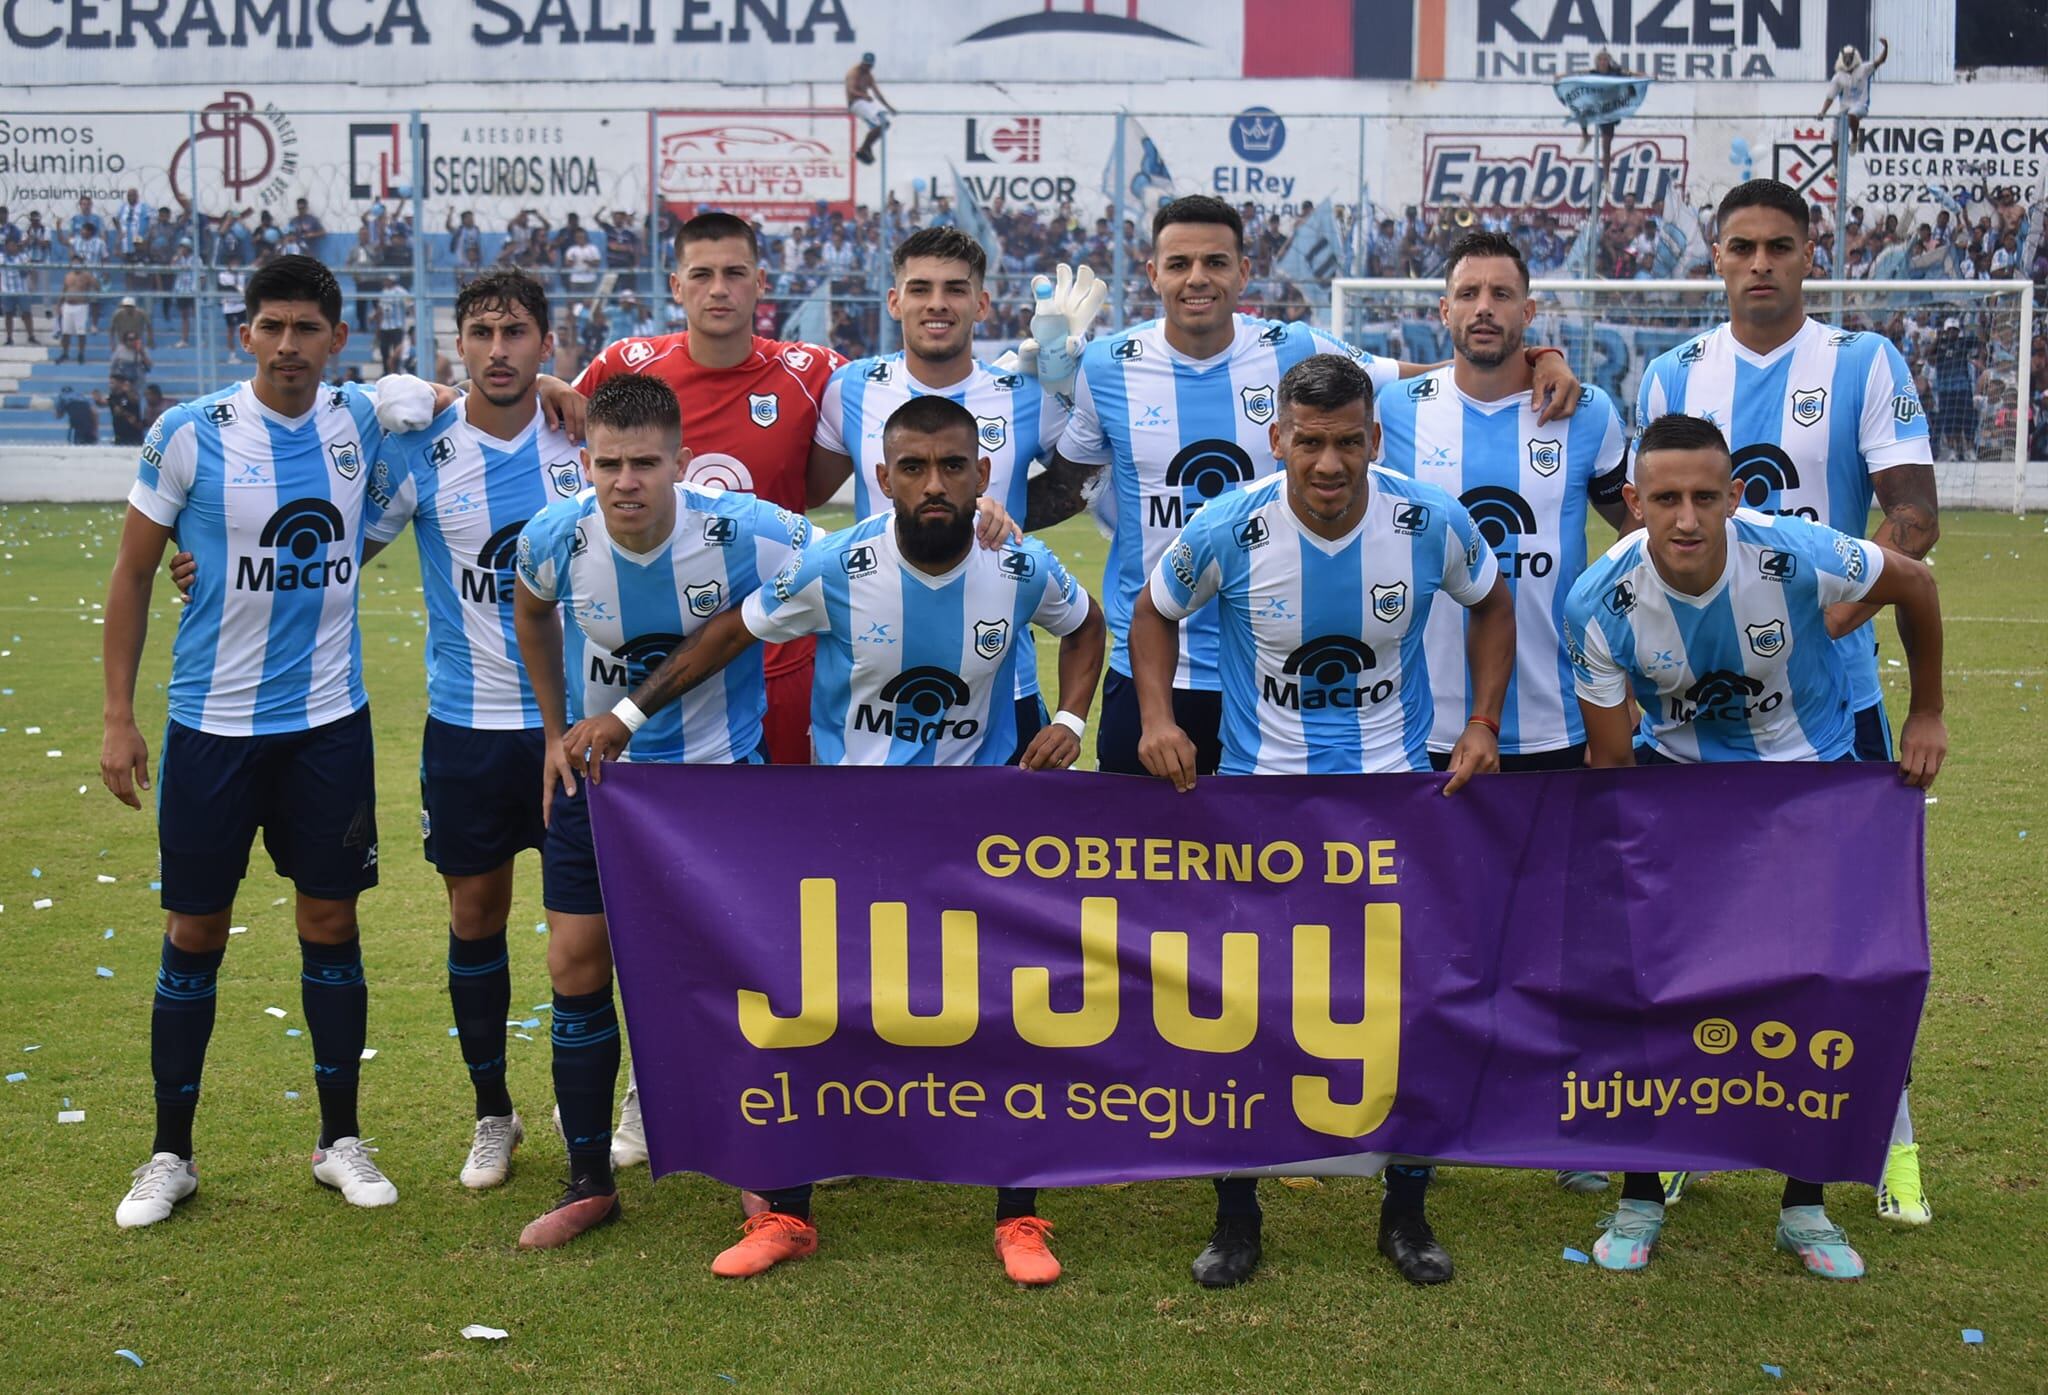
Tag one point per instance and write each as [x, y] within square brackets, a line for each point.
[1977, 393]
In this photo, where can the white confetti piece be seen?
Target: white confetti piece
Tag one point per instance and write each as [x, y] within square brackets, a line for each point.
[104, 880]
[42, 903]
[71, 1116]
[369, 1053]
[275, 1011]
[54, 754]
[104, 972]
[16, 1077]
[33, 731]
[238, 929]
[476, 1331]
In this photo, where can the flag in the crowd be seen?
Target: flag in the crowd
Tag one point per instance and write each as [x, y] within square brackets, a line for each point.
[1890, 264]
[1597, 99]
[2031, 229]
[1314, 255]
[1147, 183]
[811, 321]
[1578, 260]
[974, 220]
[1681, 244]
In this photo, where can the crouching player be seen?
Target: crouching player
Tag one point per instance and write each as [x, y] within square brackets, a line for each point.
[1323, 577]
[640, 562]
[917, 642]
[1731, 605]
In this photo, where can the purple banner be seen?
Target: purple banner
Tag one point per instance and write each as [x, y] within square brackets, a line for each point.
[1010, 978]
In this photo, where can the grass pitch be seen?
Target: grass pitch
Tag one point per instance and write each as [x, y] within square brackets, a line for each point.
[265, 1281]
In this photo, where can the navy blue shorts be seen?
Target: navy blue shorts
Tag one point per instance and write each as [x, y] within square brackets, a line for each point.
[1563, 758]
[568, 859]
[1199, 713]
[1031, 720]
[313, 793]
[1873, 734]
[479, 796]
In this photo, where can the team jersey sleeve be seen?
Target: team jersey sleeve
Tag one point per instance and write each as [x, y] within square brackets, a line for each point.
[544, 547]
[1189, 573]
[1083, 441]
[1845, 568]
[1062, 604]
[791, 605]
[597, 370]
[831, 433]
[1610, 461]
[1596, 677]
[163, 476]
[1892, 429]
[1384, 372]
[1469, 568]
[392, 497]
[780, 537]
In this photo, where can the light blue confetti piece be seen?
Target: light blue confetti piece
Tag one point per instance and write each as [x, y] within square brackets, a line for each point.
[540, 927]
[1972, 1337]
[530, 1023]
[67, 1101]
[108, 933]
[293, 1032]
[1774, 1372]
[156, 886]
[35, 871]
[543, 1007]
[16, 1077]
[38, 1046]
[1576, 1256]
[123, 1351]
[454, 1031]
[104, 972]
[6, 692]
[291, 1094]
[729, 1380]
[2023, 835]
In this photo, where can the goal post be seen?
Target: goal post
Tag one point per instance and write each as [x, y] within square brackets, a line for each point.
[1611, 330]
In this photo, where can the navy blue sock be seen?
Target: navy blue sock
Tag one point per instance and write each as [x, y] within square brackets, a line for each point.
[180, 1024]
[480, 988]
[586, 1042]
[1012, 1202]
[790, 1201]
[1237, 1196]
[337, 1007]
[1406, 1186]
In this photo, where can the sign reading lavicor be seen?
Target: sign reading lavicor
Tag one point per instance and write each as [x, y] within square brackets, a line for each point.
[995, 977]
[399, 42]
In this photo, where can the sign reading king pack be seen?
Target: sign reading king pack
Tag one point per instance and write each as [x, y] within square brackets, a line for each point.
[772, 164]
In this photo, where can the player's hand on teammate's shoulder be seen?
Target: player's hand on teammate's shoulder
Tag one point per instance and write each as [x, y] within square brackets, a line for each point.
[1169, 753]
[1054, 748]
[1556, 390]
[1923, 745]
[563, 407]
[993, 526]
[406, 404]
[1477, 753]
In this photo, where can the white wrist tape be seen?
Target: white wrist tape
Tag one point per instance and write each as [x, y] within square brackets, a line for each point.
[632, 716]
[1076, 725]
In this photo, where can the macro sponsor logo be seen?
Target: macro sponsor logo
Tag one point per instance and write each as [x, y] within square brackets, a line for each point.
[915, 705]
[1762, 473]
[1204, 470]
[628, 665]
[1502, 516]
[1724, 696]
[301, 531]
[489, 582]
[1329, 671]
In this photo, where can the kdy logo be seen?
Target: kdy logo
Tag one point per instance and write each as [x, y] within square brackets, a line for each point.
[992, 432]
[1258, 403]
[1766, 641]
[704, 600]
[763, 408]
[990, 636]
[1809, 406]
[1545, 457]
[347, 457]
[1389, 601]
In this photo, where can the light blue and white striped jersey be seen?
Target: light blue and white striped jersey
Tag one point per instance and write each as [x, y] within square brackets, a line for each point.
[627, 611]
[1809, 423]
[1178, 433]
[1017, 422]
[273, 510]
[1744, 672]
[1527, 487]
[914, 669]
[1323, 666]
[468, 495]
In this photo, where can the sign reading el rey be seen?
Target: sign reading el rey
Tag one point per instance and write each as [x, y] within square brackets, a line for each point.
[772, 164]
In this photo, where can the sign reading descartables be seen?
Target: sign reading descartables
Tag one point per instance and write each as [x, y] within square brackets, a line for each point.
[1000, 977]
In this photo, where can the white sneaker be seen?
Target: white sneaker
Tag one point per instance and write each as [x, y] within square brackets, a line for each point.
[629, 1139]
[161, 1183]
[490, 1153]
[345, 1165]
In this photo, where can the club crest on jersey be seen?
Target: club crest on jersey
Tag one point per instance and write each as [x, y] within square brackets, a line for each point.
[221, 414]
[1410, 518]
[879, 373]
[1181, 558]
[858, 561]
[1258, 403]
[763, 408]
[566, 478]
[990, 636]
[704, 599]
[1809, 405]
[1127, 349]
[636, 352]
[1422, 390]
[1766, 641]
[798, 358]
[1545, 457]
[992, 432]
[1016, 565]
[347, 457]
[1252, 533]
[442, 451]
[1389, 601]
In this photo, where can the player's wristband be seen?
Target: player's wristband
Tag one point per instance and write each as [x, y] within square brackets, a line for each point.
[1529, 356]
[1076, 725]
[631, 715]
[1487, 722]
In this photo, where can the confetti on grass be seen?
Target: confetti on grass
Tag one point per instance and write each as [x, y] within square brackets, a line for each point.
[124, 1352]
[477, 1331]
[1576, 1256]
[1774, 1372]
[1972, 1337]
